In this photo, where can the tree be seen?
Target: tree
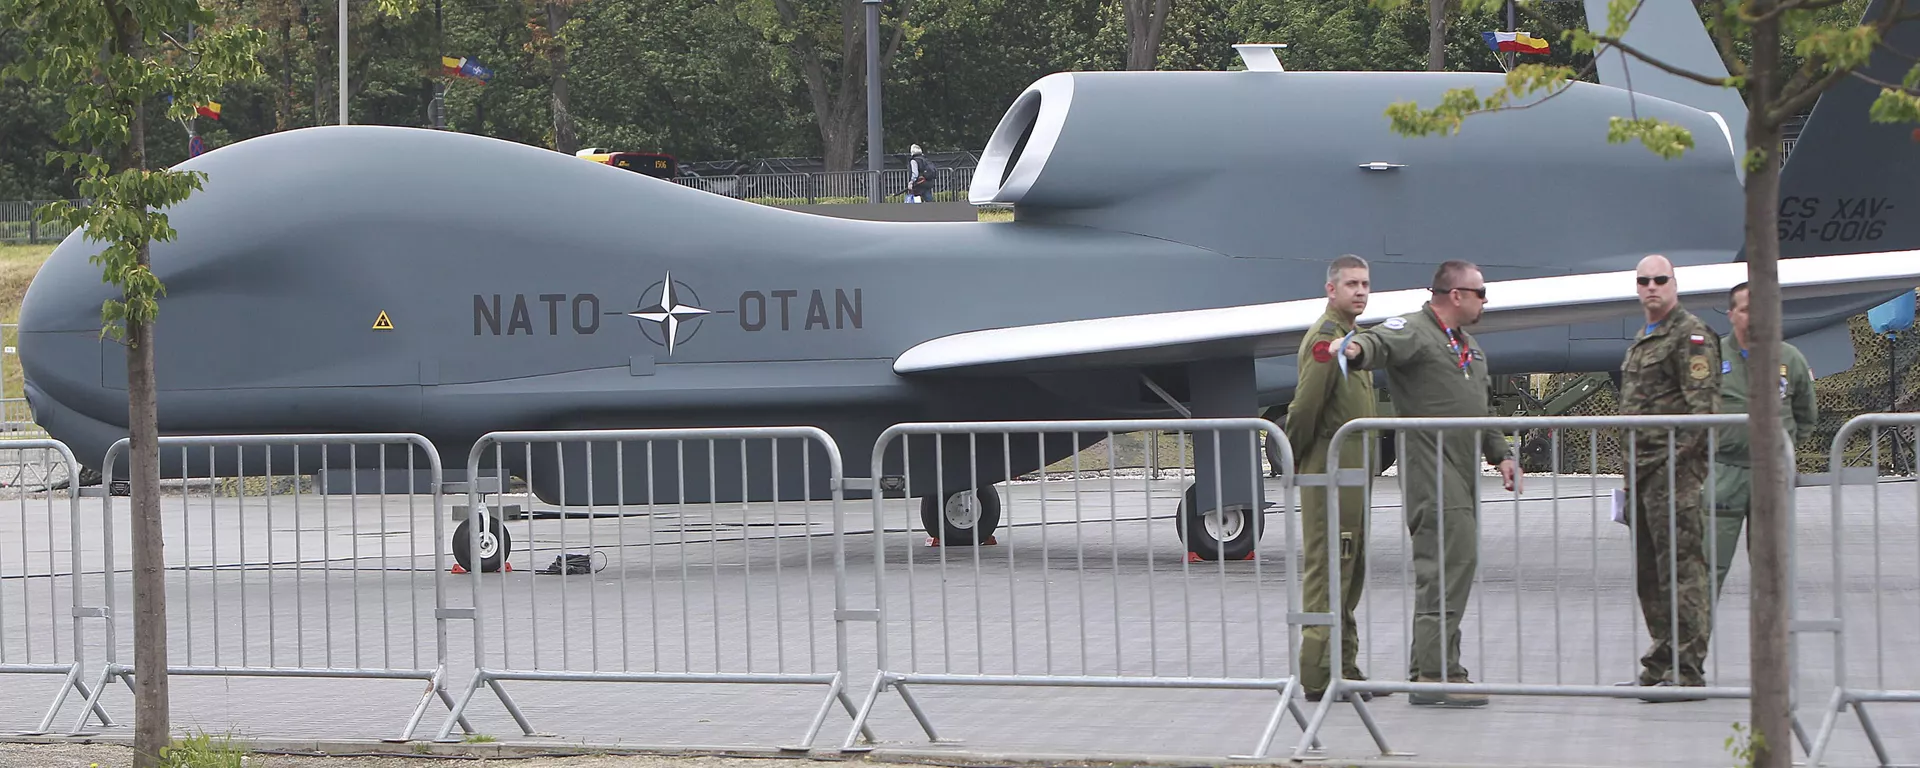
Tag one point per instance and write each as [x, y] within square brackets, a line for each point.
[1748, 35]
[1436, 35]
[114, 59]
[835, 74]
[1146, 22]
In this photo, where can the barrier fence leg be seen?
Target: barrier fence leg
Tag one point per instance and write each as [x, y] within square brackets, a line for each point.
[512, 708]
[459, 710]
[435, 687]
[820, 716]
[919, 714]
[73, 683]
[846, 702]
[1287, 705]
[866, 708]
[1873, 734]
[1828, 719]
[100, 688]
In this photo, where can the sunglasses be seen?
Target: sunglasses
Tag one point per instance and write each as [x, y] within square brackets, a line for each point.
[1480, 292]
[1656, 279]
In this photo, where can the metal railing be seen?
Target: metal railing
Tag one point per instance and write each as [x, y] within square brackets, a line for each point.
[1440, 582]
[699, 500]
[246, 528]
[1074, 619]
[831, 186]
[41, 569]
[1859, 636]
[718, 557]
[19, 223]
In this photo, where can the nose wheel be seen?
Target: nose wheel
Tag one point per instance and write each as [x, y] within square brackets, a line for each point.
[964, 518]
[489, 552]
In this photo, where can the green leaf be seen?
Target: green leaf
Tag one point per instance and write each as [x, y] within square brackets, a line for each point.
[1665, 139]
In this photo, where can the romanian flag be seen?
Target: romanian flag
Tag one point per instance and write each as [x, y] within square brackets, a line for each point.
[210, 109]
[464, 67]
[1514, 42]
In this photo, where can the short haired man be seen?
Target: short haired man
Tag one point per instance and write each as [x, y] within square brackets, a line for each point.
[1434, 368]
[1322, 401]
[1672, 368]
[1733, 470]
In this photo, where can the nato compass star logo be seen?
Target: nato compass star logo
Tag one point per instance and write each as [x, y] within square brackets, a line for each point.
[669, 312]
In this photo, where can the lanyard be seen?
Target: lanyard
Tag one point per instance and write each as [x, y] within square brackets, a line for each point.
[1461, 351]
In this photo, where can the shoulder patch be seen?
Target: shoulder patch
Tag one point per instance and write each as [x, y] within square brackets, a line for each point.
[1321, 351]
[1726, 366]
[1697, 367]
[1697, 339]
[1395, 323]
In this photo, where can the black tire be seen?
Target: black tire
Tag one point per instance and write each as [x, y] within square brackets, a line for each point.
[1242, 530]
[970, 524]
[494, 545]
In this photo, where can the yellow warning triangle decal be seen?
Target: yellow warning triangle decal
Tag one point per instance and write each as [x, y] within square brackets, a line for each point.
[383, 323]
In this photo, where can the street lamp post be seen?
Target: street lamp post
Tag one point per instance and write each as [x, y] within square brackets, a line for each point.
[343, 62]
[873, 100]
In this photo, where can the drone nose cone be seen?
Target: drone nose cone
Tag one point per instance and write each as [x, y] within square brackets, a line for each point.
[60, 351]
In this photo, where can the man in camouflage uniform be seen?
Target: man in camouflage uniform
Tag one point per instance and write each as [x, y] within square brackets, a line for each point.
[1322, 401]
[1672, 368]
[1733, 463]
[1434, 368]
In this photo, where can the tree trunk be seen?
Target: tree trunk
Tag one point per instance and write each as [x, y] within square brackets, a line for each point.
[150, 716]
[283, 101]
[1436, 35]
[1768, 530]
[321, 67]
[564, 139]
[1146, 22]
[839, 100]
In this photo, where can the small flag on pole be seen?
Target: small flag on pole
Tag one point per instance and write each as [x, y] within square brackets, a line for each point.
[1514, 42]
[466, 67]
[210, 109]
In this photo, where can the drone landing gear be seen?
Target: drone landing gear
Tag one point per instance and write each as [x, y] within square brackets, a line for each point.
[964, 518]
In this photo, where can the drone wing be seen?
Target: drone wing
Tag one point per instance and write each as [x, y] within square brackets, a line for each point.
[1271, 330]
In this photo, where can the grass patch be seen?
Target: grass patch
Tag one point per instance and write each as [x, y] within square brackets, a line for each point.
[18, 265]
[202, 751]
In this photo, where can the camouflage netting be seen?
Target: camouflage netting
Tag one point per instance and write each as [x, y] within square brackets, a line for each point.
[1841, 396]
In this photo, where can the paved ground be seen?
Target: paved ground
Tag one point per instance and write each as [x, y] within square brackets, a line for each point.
[745, 591]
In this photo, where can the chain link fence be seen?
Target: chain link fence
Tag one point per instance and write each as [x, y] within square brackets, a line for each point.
[1870, 386]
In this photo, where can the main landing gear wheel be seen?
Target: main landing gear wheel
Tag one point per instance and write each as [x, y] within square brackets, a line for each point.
[493, 546]
[1217, 535]
[967, 517]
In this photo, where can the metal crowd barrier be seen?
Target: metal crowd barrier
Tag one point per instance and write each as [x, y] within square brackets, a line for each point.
[1055, 599]
[682, 556]
[1595, 649]
[37, 573]
[1856, 685]
[270, 574]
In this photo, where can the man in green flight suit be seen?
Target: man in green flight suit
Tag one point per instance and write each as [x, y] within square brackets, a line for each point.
[1672, 368]
[1434, 368]
[1733, 470]
[1322, 401]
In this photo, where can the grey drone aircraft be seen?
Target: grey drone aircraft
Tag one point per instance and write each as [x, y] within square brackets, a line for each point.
[1171, 236]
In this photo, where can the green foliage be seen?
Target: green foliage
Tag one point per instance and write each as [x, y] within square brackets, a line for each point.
[110, 59]
[1744, 744]
[1825, 42]
[202, 751]
[1663, 138]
